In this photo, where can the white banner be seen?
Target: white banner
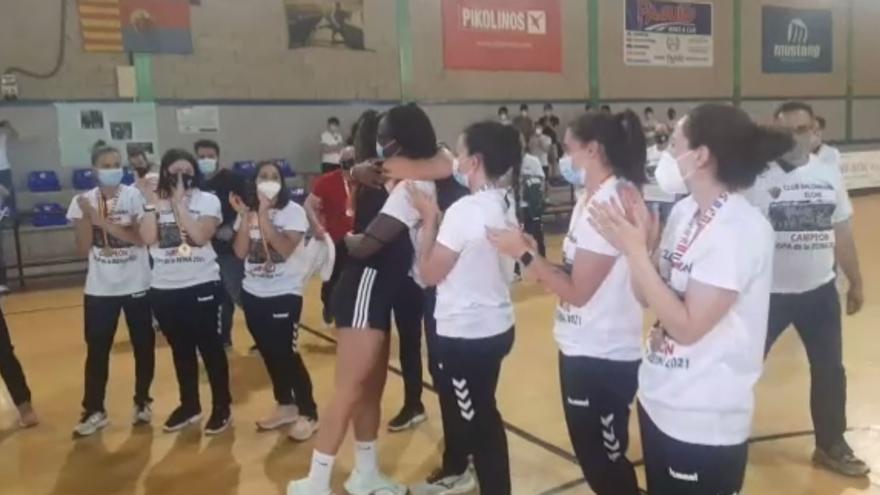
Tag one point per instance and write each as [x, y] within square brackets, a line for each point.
[194, 120]
[861, 169]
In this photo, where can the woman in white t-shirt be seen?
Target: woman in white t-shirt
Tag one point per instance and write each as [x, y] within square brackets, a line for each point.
[474, 312]
[598, 322]
[711, 296]
[178, 223]
[269, 238]
[105, 223]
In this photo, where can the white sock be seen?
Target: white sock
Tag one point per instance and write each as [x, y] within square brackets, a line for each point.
[365, 458]
[321, 469]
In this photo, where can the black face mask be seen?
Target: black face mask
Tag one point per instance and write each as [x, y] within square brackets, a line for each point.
[188, 181]
[141, 171]
[661, 138]
[346, 164]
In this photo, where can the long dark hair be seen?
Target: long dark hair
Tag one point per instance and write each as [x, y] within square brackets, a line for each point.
[364, 136]
[168, 182]
[501, 150]
[621, 136]
[411, 128]
[742, 148]
[284, 194]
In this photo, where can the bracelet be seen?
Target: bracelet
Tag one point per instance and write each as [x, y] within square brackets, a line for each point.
[149, 208]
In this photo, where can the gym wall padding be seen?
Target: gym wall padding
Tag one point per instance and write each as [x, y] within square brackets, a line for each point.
[619, 81]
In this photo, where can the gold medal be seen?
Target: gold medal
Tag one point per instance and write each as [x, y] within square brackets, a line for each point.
[184, 250]
[106, 252]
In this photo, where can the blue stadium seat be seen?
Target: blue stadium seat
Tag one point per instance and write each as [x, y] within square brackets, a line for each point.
[286, 169]
[49, 214]
[246, 168]
[43, 181]
[128, 176]
[83, 179]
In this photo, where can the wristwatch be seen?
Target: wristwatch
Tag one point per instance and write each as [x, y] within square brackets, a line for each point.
[149, 208]
[526, 259]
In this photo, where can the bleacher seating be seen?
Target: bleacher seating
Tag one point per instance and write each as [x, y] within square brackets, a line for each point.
[83, 179]
[246, 168]
[128, 176]
[48, 214]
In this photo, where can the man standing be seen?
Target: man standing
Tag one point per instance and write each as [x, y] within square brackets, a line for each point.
[809, 208]
[523, 122]
[7, 190]
[332, 143]
[330, 208]
[221, 181]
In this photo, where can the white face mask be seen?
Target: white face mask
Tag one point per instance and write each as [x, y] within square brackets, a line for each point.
[459, 177]
[668, 174]
[269, 188]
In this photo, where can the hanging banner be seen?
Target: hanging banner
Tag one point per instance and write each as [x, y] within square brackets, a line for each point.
[860, 169]
[796, 40]
[325, 23]
[502, 35]
[139, 26]
[668, 34]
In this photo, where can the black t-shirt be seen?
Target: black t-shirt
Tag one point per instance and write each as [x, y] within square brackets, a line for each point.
[224, 182]
[449, 191]
[396, 256]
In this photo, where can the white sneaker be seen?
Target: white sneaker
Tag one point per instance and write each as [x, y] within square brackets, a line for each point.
[303, 429]
[440, 483]
[90, 424]
[304, 487]
[283, 416]
[143, 415]
[372, 484]
[4, 289]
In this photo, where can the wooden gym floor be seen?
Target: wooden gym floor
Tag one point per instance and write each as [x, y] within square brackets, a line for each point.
[46, 328]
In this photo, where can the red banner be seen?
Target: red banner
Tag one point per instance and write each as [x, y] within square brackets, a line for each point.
[497, 35]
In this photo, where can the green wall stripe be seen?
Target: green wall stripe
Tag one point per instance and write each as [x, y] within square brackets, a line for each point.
[737, 52]
[850, 66]
[593, 30]
[404, 44]
[143, 74]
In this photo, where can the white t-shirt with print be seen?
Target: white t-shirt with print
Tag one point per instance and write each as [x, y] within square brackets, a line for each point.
[609, 326]
[829, 155]
[286, 276]
[399, 206]
[803, 206]
[473, 301]
[331, 139]
[703, 393]
[4, 159]
[125, 268]
[172, 271]
[531, 165]
[651, 190]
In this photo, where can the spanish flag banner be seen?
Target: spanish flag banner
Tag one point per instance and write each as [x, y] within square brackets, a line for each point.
[139, 26]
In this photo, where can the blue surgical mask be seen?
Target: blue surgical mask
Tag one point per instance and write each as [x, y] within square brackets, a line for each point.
[459, 177]
[207, 165]
[574, 176]
[110, 177]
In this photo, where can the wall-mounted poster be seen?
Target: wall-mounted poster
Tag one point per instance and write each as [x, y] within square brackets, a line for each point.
[140, 26]
[326, 23]
[194, 120]
[502, 35]
[668, 34]
[121, 125]
[796, 40]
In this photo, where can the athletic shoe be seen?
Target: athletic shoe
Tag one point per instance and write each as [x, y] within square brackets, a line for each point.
[220, 421]
[304, 487]
[407, 418]
[27, 417]
[374, 483]
[181, 418]
[283, 416]
[441, 482]
[143, 414]
[4, 289]
[841, 459]
[303, 429]
[90, 423]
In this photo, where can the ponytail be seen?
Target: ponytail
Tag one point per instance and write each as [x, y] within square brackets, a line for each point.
[634, 150]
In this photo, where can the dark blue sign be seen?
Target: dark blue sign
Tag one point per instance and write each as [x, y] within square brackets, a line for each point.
[797, 40]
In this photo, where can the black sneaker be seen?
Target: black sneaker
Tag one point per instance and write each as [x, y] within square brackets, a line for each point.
[327, 315]
[841, 459]
[407, 418]
[181, 418]
[220, 421]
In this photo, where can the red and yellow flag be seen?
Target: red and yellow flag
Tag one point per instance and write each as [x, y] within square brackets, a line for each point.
[100, 25]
